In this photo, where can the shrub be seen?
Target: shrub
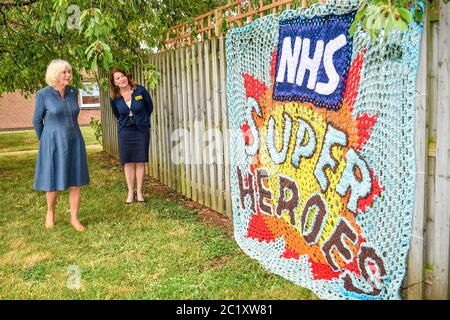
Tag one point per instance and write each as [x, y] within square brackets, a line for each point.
[97, 126]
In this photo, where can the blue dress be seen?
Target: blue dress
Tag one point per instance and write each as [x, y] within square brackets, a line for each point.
[62, 161]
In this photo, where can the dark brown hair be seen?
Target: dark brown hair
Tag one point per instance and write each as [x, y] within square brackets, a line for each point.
[114, 91]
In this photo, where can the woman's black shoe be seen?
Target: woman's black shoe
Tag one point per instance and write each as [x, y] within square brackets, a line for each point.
[141, 201]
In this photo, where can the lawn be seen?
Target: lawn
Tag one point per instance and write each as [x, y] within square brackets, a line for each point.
[170, 249]
[11, 141]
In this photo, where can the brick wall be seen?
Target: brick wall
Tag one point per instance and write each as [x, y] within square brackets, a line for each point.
[16, 112]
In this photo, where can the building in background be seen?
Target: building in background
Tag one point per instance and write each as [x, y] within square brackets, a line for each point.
[16, 111]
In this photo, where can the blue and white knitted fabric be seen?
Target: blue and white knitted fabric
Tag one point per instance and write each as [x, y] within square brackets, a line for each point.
[322, 149]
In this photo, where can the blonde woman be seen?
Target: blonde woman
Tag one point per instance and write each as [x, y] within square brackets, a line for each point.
[61, 162]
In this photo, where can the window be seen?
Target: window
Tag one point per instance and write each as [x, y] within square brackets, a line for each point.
[90, 96]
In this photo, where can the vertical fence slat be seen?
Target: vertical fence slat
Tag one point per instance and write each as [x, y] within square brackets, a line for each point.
[209, 123]
[159, 109]
[442, 214]
[148, 166]
[173, 124]
[416, 253]
[162, 108]
[185, 117]
[216, 110]
[172, 113]
[431, 122]
[167, 115]
[109, 124]
[141, 81]
[191, 129]
[160, 115]
[181, 173]
[103, 116]
[152, 149]
[154, 123]
[196, 62]
[224, 112]
[201, 110]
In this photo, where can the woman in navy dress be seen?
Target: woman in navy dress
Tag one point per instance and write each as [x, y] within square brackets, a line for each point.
[61, 163]
[132, 106]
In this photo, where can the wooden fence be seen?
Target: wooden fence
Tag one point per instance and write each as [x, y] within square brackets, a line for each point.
[190, 108]
[215, 22]
[428, 265]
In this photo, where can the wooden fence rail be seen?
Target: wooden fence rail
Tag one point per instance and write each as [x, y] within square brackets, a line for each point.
[189, 147]
[234, 14]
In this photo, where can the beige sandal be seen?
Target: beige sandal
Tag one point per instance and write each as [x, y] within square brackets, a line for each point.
[79, 228]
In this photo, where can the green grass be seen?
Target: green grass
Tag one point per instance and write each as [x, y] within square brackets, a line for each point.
[12, 141]
[159, 251]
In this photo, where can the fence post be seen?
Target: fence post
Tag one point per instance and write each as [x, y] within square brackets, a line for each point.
[442, 217]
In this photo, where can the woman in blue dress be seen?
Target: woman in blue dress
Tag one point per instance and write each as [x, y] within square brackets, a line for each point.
[132, 106]
[61, 162]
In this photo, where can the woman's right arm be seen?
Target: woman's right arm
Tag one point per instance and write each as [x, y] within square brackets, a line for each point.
[114, 109]
[39, 114]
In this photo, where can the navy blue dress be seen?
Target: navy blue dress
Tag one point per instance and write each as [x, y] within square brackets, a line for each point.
[133, 129]
[61, 161]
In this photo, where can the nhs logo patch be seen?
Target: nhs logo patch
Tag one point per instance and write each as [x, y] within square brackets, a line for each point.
[313, 59]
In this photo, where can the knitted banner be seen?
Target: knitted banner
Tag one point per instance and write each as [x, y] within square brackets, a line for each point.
[322, 149]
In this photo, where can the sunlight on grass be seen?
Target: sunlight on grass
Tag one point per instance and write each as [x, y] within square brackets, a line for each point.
[12, 141]
[158, 251]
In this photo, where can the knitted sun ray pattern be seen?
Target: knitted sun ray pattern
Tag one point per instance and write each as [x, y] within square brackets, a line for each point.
[322, 149]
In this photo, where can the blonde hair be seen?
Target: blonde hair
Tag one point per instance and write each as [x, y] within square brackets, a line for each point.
[53, 70]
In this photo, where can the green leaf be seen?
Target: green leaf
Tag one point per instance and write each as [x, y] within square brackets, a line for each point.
[418, 15]
[405, 14]
[358, 17]
[401, 25]
[378, 24]
[58, 28]
[361, 13]
[94, 64]
[62, 18]
[388, 27]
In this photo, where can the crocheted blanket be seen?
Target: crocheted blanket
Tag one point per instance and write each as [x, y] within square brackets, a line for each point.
[322, 149]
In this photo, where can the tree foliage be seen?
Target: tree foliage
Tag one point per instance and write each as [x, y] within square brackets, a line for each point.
[384, 16]
[87, 33]
[104, 33]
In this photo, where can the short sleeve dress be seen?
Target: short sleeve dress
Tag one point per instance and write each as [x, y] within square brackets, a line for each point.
[61, 161]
